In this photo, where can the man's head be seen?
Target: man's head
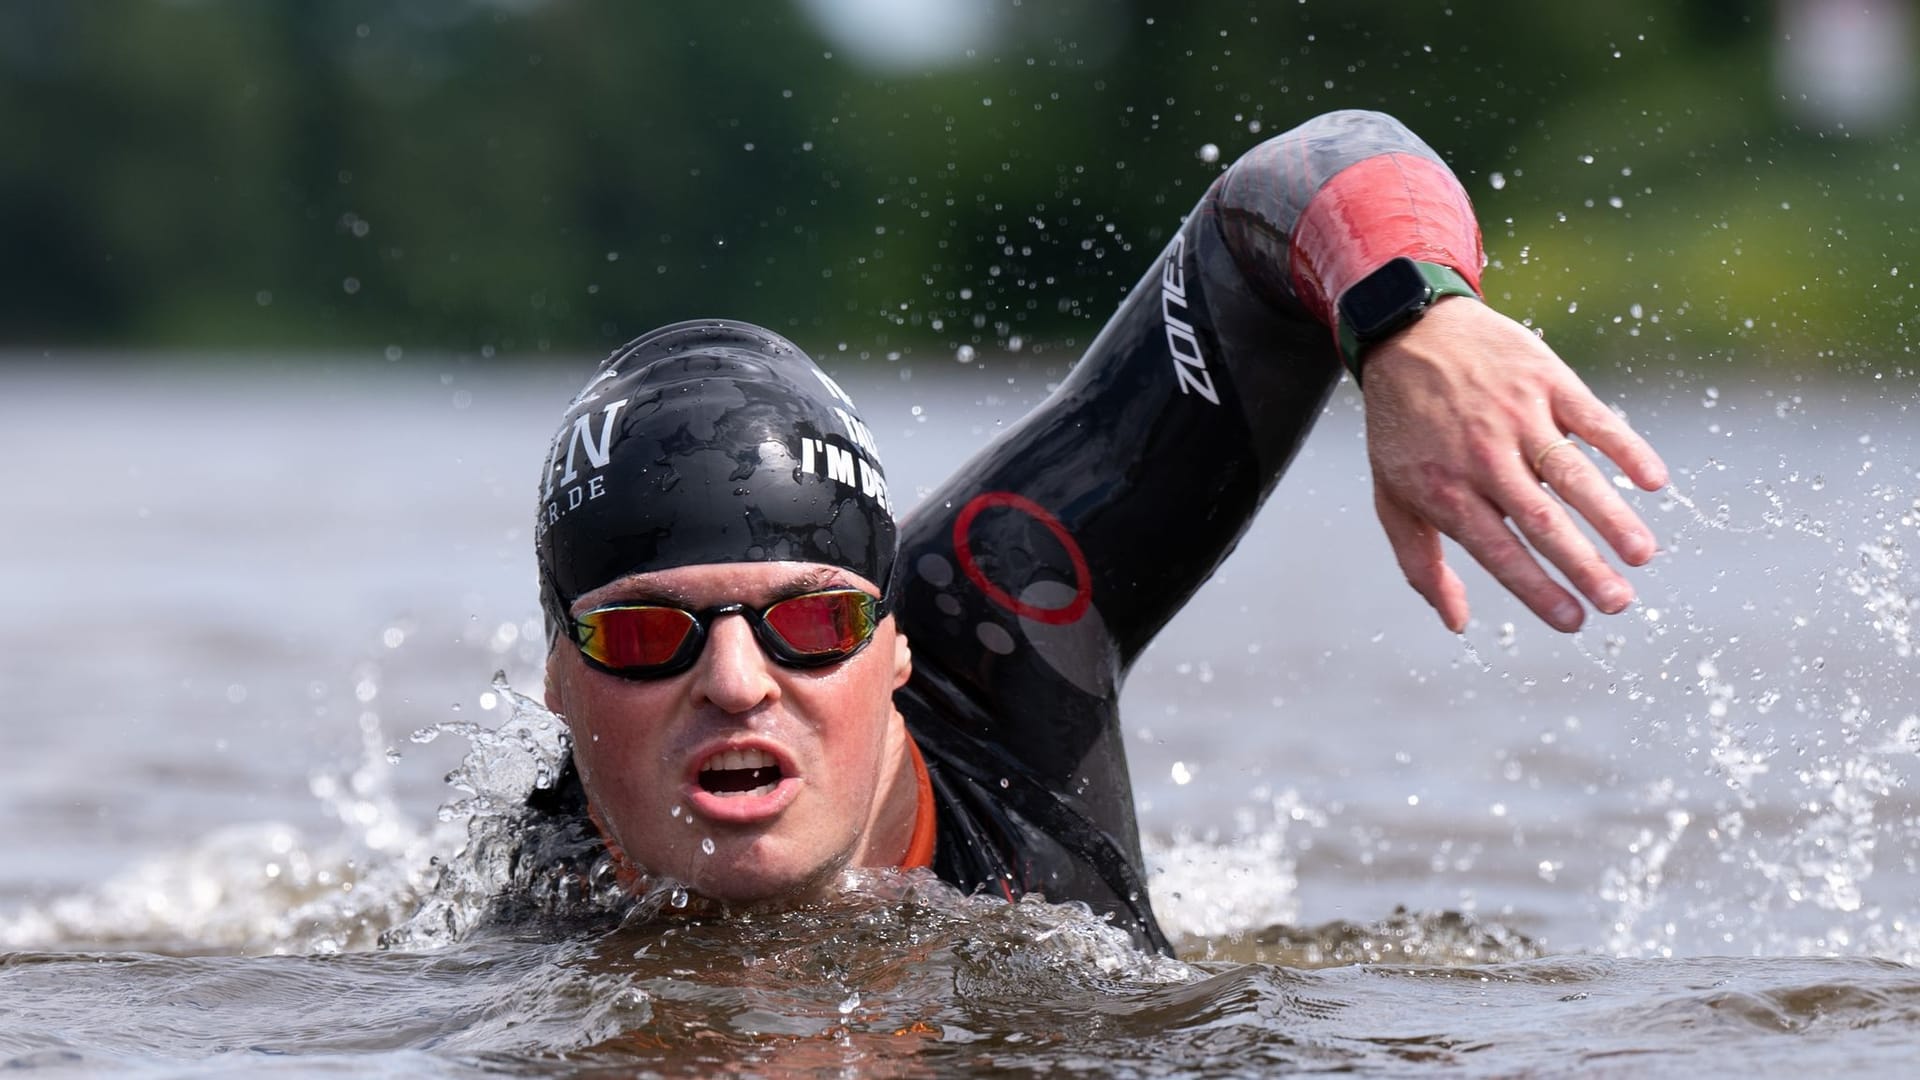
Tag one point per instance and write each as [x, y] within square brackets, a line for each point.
[715, 545]
[709, 442]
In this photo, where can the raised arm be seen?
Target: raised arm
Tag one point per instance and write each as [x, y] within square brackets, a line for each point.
[1033, 578]
[1467, 411]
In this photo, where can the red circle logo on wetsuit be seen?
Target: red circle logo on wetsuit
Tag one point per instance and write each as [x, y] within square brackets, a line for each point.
[963, 550]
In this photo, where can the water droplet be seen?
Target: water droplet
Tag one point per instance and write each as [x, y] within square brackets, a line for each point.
[1498, 180]
[1208, 153]
[706, 845]
[678, 897]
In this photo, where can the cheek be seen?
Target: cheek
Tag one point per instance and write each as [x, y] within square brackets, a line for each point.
[601, 720]
[855, 716]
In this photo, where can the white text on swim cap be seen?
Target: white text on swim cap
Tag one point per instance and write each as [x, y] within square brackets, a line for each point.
[833, 388]
[579, 437]
[861, 435]
[819, 457]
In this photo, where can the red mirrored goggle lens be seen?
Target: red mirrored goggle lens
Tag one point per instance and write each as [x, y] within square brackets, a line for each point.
[633, 637]
[822, 625]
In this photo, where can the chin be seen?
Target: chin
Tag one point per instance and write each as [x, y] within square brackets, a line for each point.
[748, 876]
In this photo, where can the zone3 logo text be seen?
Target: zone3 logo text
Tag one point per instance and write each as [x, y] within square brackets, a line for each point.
[1189, 364]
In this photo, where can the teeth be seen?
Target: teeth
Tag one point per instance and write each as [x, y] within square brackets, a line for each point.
[739, 759]
[761, 790]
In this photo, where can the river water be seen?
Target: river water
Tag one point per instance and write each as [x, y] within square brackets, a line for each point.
[253, 611]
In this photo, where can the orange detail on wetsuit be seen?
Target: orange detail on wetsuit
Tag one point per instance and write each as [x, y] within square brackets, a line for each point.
[925, 816]
[1372, 212]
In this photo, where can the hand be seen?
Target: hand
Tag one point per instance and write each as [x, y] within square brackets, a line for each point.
[1462, 407]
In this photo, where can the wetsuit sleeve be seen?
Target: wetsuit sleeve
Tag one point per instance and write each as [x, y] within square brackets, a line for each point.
[1033, 578]
[1308, 213]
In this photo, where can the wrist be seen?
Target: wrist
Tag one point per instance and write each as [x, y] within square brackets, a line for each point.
[1388, 300]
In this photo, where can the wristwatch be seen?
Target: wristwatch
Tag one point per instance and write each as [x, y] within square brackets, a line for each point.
[1390, 298]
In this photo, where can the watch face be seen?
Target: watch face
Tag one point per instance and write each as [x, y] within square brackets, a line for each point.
[1383, 300]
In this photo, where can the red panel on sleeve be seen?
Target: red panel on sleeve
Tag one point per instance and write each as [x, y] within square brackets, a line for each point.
[1374, 211]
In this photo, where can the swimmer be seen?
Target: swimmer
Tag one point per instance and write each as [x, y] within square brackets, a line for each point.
[769, 680]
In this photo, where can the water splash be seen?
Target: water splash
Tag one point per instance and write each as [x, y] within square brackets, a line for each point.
[1720, 520]
[1211, 887]
[1805, 843]
[263, 887]
[1880, 583]
[382, 879]
[507, 859]
[1635, 887]
[1432, 939]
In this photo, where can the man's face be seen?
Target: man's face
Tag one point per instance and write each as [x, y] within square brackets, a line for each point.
[657, 756]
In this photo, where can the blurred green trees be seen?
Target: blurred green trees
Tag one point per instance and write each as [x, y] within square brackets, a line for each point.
[515, 176]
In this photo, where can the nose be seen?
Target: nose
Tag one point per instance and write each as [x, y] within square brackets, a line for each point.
[733, 674]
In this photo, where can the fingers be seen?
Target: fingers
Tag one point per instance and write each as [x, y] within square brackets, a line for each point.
[1479, 523]
[1586, 416]
[1551, 530]
[1575, 478]
[1465, 417]
[1481, 528]
[1416, 546]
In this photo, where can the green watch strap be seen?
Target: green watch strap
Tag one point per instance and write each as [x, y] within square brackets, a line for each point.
[1442, 280]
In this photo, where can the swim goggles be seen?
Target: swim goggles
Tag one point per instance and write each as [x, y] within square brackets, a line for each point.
[653, 641]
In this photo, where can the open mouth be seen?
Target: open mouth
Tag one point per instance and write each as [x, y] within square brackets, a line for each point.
[733, 773]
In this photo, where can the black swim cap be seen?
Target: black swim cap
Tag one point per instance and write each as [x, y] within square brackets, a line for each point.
[710, 441]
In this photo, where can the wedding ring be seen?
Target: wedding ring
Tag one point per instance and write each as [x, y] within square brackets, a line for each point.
[1540, 458]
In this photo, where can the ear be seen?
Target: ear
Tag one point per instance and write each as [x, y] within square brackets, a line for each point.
[552, 688]
[902, 660]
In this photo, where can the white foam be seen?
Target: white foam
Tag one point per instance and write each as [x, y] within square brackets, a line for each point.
[1209, 887]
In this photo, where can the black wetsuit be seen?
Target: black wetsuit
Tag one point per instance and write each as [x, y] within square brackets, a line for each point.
[1029, 583]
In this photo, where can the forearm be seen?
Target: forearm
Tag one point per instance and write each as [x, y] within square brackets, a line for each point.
[1311, 211]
